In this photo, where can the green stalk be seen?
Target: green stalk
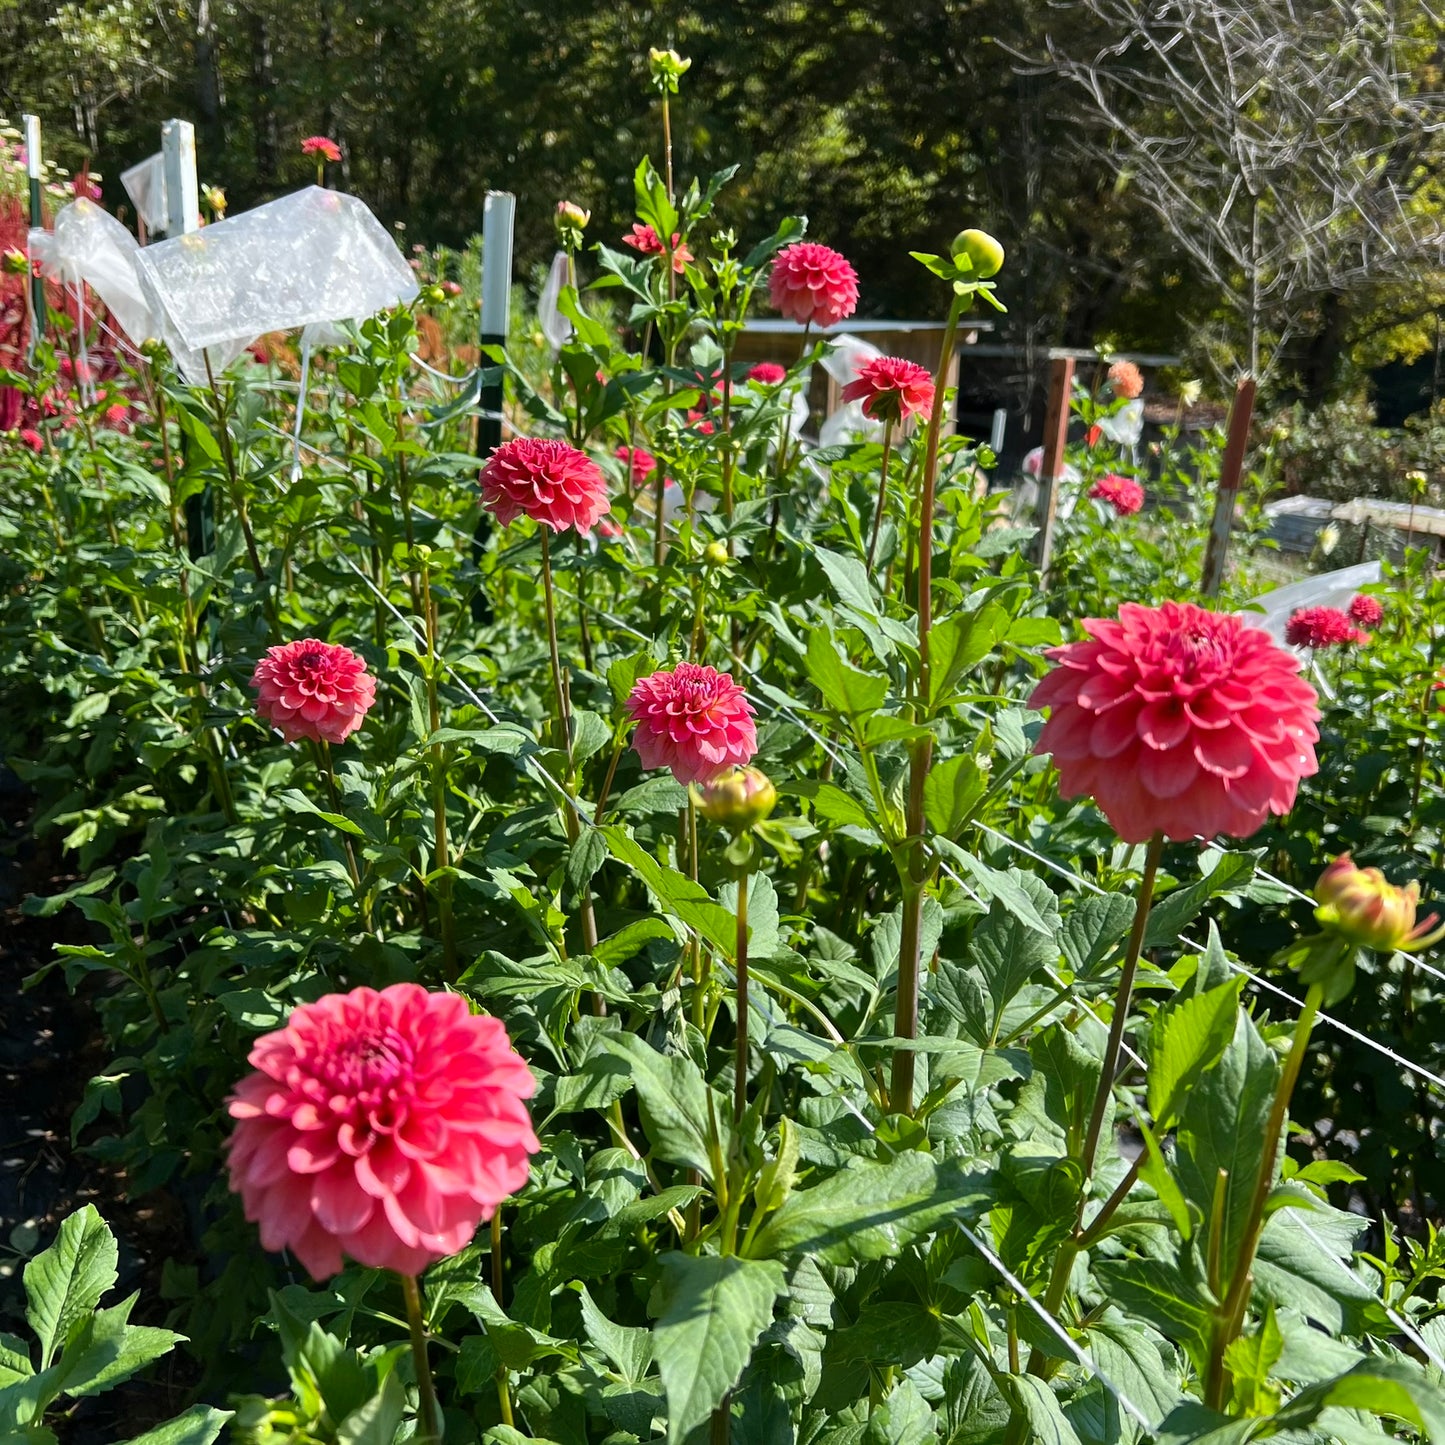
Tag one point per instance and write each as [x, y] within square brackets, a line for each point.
[1230, 1319]
[913, 866]
[429, 1430]
[1070, 1249]
[442, 856]
[740, 1066]
[882, 492]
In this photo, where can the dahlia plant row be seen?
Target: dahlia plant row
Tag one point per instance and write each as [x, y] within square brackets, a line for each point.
[669, 931]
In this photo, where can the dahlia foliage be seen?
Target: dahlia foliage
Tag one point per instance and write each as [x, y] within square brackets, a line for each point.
[670, 994]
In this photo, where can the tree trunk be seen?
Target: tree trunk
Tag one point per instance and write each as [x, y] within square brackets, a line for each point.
[1320, 364]
[263, 85]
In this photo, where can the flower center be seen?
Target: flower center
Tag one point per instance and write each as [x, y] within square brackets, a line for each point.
[369, 1066]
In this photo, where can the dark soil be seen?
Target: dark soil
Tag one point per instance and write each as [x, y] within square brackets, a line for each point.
[50, 1046]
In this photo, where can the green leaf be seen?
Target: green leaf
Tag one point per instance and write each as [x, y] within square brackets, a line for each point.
[629, 1350]
[1008, 949]
[674, 1099]
[710, 1313]
[1156, 1175]
[871, 1210]
[952, 791]
[1382, 1387]
[620, 946]
[1093, 928]
[1221, 1126]
[66, 1281]
[200, 1425]
[624, 674]
[1039, 1405]
[1188, 1038]
[1175, 911]
[961, 641]
[677, 894]
[1158, 1293]
[845, 689]
[105, 1349]
[376, 1422]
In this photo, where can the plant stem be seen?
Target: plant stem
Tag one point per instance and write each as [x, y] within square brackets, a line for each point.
[1230, 1319]
[1070, 1249]
[429, 1428]
[442, 859]
[914, 865]
[882, 492]
[335, 796]
[740, 1066]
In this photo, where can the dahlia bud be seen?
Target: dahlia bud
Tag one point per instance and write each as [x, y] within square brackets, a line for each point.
[14, 263]
[571, 220]
[215, 199]
[1190, 391]
[980, 250]
[715, 554]
[1359, 905]
[666, 67]
[737, 799]
[434, 294]
[1418, 483]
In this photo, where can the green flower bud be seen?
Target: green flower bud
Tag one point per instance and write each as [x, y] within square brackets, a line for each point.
[980, 250]
[715, 554]
[1360, 906]
[666, 67]
[737, 799]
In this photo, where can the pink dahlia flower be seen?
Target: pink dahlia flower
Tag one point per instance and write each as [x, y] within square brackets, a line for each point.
[812, 284]
[1179, 720]
[1126, 379]
[640, 464]
[767, 373]
[1320, 627]
[1367, 611]
[646, 240]
[1124, 494]
[892, 389]
[320, 145]
[312, 689]
[694, 720]
[553, 483]
[31, 438]
[384, 1126]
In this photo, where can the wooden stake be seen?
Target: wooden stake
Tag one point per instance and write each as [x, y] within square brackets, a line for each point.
[1241, 413]
[1056, 431]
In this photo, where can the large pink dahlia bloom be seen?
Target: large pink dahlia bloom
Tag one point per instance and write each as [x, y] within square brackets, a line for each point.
[813, 284]
[695, 720]
[1366, 610]
[553, 483]
[312, 689]
[384, 1126]
[1319, 627]
[1179, 720]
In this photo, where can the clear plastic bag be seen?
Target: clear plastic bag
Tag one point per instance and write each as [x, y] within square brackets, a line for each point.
[145, 184]
[306, 260]
[843, 360]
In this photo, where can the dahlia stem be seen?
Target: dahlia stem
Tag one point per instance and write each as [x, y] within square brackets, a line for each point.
[429, 1428]
[882, 491]
[332, 792]
[1231, 1314]
[740, 1065]
[570, 821]
[1070, 1249]
[914, 865]
[442, 858]
[782, 457]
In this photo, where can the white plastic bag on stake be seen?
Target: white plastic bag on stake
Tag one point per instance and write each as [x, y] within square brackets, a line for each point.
[555, 327]
[89, 246]
[145, 184]
[308, 259]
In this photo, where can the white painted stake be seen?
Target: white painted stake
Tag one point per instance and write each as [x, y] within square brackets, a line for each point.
[183, 196]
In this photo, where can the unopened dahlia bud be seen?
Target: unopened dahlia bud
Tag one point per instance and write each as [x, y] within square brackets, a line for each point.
[715, 554]
[1359, 905]
[14, 263]
[980, 250]
[737, 799]
[666, 67]
[571, 220]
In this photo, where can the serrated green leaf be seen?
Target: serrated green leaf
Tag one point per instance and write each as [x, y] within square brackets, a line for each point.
[66, 1281]
[200, 1425]
[1188, 1038]
[711, 1311]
